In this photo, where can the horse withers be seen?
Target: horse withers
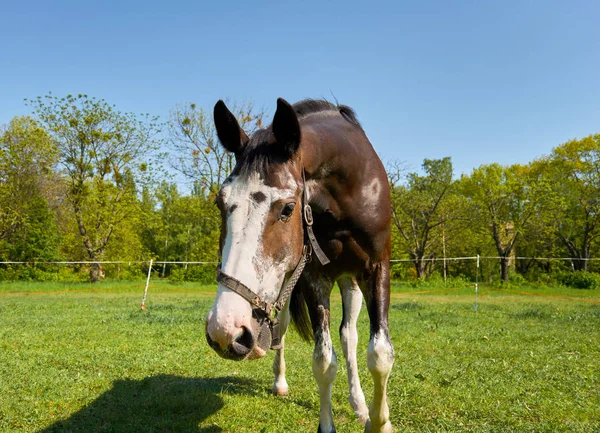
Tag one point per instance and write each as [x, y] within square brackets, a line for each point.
[306, 205]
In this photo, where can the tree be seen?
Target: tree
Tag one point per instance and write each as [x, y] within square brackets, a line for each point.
[196, 150]
[27, 159]
[576, 178]
[420, 210]
[182, 228]
[504, 200]
[103, 154]
[539, 237]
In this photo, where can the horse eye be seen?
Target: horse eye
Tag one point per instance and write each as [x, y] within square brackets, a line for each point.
[287, 211]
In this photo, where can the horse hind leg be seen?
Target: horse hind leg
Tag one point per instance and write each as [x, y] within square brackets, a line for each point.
[380, 355]
[351, 304]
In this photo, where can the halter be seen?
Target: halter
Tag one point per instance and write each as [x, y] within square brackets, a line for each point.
[268, 313]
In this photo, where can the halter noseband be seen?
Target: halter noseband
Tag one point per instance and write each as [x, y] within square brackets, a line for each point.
[269, 312]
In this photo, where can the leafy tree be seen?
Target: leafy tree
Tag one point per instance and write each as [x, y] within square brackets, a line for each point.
[27, 223]
[103, 154]
[197, 154]
[159, 219]
[576, 178]
[183, 228]
[420, 210]
[539, 237]
[504, 201]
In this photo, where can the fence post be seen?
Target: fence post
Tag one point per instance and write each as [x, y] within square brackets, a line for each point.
[147, 283]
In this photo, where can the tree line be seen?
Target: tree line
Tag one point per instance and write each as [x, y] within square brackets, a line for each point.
[81, 180]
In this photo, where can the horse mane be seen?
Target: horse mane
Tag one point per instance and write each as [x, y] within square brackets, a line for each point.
[259, 155]
[310, 106]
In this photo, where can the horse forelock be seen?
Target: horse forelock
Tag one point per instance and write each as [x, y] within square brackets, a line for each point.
[260, 155]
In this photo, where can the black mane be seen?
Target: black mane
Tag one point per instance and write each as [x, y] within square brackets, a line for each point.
[259, 154]
[309, 106]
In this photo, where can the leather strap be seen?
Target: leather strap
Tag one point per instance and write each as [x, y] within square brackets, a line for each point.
[291, 283]
[308, 220]
[243, 290]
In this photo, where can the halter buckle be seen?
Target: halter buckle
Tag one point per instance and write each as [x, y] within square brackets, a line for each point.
[308, 216]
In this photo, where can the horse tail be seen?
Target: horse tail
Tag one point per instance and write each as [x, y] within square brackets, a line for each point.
[299, 313]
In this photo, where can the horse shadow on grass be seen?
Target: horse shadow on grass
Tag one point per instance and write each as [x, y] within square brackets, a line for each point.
[162, 403]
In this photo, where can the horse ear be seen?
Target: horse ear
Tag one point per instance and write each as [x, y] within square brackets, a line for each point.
[286, 127]
[232, 137]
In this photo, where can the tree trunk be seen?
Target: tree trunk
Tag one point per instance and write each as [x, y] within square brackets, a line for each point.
[420, 267]
[579, 264]
[504, 269]
[579, 254]
[164, 269]
[95, 273]
[95, 267]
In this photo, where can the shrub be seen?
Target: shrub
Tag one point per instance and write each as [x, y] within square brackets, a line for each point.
[579, 279]
[198, 273]
[121, 272]
[42, 272]
[402, 271]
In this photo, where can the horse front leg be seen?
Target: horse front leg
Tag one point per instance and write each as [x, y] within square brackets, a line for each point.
[280, 386]
[380, 354]
[324, 365]
[324, 361]
[351, 305]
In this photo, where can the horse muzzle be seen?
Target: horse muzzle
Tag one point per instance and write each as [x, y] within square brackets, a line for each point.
[247, 343]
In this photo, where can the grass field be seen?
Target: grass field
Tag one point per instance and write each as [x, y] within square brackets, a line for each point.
[77, 358]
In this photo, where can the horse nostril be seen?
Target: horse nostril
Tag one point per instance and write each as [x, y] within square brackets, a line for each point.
[243, 343]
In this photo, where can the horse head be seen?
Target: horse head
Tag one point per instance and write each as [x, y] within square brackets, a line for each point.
[262, 233]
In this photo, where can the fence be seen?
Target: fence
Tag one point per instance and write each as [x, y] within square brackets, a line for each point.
[471, 271]
[471, 268]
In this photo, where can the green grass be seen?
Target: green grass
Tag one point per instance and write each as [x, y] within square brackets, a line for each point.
[34, 287]
[85, 358]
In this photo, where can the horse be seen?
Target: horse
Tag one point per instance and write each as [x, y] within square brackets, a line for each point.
[306, 205]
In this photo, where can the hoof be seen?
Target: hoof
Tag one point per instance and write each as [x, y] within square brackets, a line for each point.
[328, 431]
[363, 418]
[385, 428]
[360, 410]
[280, 392]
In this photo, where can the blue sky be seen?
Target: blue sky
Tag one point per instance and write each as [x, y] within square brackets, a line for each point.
[480, 81]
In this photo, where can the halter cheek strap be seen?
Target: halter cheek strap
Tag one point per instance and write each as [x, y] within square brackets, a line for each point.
[266, 310]
[308, 221]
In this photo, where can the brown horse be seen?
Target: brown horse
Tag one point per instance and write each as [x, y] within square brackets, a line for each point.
[306, 205]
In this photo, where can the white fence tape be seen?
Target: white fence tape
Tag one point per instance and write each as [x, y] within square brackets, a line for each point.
[131, 262]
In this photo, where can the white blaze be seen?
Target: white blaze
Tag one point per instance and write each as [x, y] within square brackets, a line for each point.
[243, 257]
